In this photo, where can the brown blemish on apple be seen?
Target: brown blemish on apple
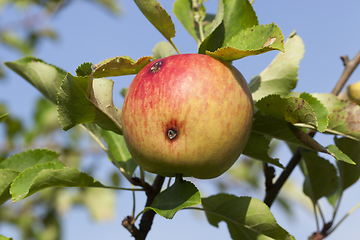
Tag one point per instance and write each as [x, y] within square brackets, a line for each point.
[172, 130]
[171, 134]
[155, 67]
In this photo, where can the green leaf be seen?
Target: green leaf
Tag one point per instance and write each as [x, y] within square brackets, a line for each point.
[247, 218]
[14, 41]
[111, 5]
[87, 100]
[252, 41]
[29, 158]
[211, 22]
[158, 17]
[319, 109]
[119, 152]
[3, 117]
[185, 12]
[123, 92]
[320, 176]
[100, 202]
[290, 109]
[285, 131]
[45, 119]
[84, 70]
[280, 77]
[238, 15]
[3, 237]
[180, 195]
[7, 176]
[48, 175]
[233, 16]
[210, 205]
[275, 128]
[257, 147]
[349, 174]
[339, 155]
[13, 127]
[307, 140]
[21, 184]
[344, 116]
[119, 66]
[163, 49]
[45, 77]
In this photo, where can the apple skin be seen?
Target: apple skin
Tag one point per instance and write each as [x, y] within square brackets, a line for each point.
[187, 114]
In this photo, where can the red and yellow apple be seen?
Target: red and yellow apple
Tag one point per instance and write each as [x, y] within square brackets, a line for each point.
[187, 114]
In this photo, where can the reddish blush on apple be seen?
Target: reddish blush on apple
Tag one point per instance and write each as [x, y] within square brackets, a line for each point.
[187, 114]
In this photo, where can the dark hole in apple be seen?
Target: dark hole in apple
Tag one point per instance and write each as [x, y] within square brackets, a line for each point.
[155, 67]
[171, 133]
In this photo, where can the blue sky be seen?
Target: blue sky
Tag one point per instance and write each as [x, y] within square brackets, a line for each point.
[88, 34]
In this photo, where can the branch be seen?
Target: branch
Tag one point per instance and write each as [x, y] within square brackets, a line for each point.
[148, 216]
[350, 66]
[271, 194]
[32, 21]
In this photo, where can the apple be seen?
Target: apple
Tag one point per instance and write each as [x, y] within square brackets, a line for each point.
[187, 114]
[354, 92]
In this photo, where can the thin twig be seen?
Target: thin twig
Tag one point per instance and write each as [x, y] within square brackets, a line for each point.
[273, 192]
[269, 173]
[350, 66]
[33, 21]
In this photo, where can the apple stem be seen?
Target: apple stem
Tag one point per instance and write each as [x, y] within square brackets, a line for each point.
[179, 177]
[142, 176]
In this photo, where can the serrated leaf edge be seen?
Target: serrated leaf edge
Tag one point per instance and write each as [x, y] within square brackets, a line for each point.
[27, 170]
[30, 150]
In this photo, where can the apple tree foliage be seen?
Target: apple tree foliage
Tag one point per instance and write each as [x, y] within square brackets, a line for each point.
[85, 101]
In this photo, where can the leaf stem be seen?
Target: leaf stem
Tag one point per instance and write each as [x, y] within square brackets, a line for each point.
[120, 188]
[174, 46]
[137, 216]
[201, 30]
[337, 206]
[346, 215]
[97, 140]
[316, 218]
[321, 213]
[112, 158]
[134, 202]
